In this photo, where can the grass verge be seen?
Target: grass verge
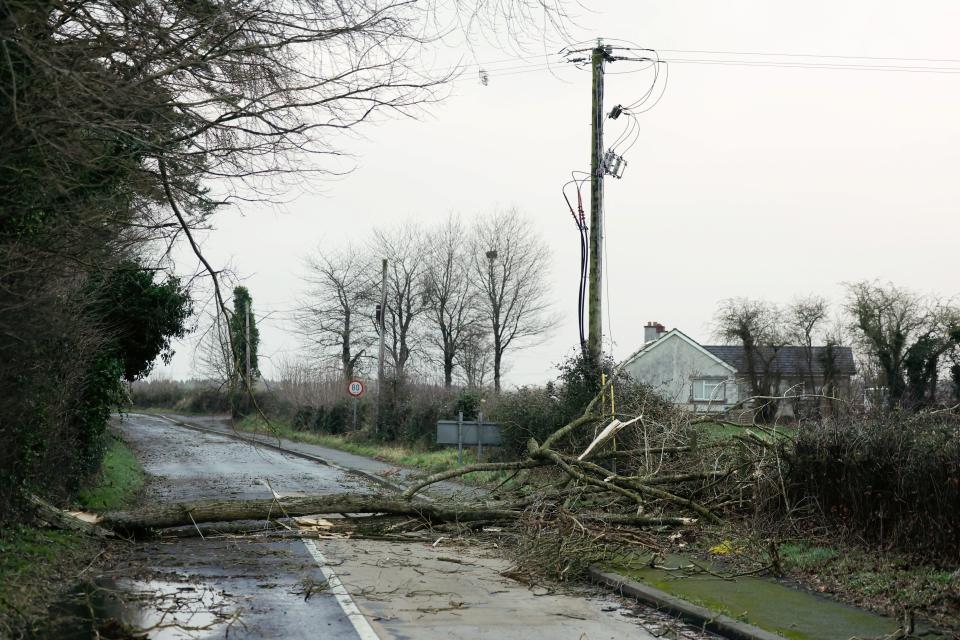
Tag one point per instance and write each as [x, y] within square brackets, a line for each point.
[117, 483]
[877, 579]
[426, 461]
[37, 564]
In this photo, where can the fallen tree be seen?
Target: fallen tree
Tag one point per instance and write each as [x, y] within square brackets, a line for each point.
[206, 511]
[584, 492]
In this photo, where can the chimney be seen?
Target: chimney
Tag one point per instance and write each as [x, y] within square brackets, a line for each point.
[652, 331]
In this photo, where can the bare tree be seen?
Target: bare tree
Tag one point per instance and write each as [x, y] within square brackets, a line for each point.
[449, 292]
[332, 318]
[475, 358]
[404, 248]
[215, 358]
[510, 264]
[760, 328]
[804, 319]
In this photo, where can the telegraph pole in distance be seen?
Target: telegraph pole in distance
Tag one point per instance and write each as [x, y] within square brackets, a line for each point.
[249, 388]
[598, 56]
[383, 334]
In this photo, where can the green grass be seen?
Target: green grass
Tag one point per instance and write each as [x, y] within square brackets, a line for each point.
[720, 431]
[803, 557]
[35, 565]
[886, 581]
[427, 461]
[117, 484]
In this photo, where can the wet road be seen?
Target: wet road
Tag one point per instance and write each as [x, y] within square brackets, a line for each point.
[191, 465]
[225, 586]
[255, 587]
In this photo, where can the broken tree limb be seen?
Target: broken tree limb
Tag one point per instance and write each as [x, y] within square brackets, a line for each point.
[637, 521]
[203, 511]
[60, 519]
[612, 479]
[583, 477]
[473, 468]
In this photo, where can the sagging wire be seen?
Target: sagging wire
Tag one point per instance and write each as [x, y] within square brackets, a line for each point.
[579, 219]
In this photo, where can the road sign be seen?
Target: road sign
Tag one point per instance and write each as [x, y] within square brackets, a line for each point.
[355, 388]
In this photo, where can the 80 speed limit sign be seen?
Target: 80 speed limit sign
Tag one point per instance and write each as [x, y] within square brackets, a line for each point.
[355, 388]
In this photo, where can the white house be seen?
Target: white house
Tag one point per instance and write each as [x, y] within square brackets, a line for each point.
[712, 378]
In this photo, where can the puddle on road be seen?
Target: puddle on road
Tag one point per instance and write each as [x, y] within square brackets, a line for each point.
[132, 609]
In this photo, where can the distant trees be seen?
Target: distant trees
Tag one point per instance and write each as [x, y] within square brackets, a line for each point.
[334, 319]
[907, 336]
[510, 263]
[761, 328]
[405, 249]
[910, 341]
[458, 297]
[451, 299]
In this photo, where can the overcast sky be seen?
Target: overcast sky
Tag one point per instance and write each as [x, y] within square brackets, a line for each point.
[760, 181]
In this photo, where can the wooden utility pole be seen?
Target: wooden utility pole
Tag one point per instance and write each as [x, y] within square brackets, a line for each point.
[383, 336]
[595, 306]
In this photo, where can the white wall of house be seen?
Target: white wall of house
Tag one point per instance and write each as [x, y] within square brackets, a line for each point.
[685, 374]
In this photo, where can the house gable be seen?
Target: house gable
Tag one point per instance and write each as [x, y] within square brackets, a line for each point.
[678, 369]
[676, 333]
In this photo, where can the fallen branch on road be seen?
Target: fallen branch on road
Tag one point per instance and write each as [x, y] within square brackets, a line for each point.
[205, 511]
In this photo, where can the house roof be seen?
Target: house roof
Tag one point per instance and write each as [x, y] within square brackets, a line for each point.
[788, 361]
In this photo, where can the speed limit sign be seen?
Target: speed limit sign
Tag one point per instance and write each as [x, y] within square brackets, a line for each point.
[355, 388]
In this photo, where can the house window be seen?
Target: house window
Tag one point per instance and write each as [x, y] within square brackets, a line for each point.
[709, 390]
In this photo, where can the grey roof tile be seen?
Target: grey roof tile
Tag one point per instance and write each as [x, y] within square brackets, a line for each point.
[789, 361]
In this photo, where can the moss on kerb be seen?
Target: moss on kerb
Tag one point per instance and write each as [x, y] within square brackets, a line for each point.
[767, 604]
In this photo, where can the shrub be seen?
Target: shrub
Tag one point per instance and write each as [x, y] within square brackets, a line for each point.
[892, 479]
[303, 418]
[529, 412]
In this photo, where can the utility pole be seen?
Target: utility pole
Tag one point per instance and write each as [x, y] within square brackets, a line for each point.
[249, 393]
[598, 56]
[383, 335]
[249, 378]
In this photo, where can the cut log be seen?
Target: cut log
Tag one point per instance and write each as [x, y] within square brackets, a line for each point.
[189, 513]
[60, 519]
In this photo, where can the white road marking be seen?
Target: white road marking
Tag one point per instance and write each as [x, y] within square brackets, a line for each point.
[359, 622]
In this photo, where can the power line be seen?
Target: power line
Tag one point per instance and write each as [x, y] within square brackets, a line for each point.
[752, 59]
[828, 66]
[810, 55]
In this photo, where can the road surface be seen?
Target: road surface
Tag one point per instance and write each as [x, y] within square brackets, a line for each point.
[255, 587]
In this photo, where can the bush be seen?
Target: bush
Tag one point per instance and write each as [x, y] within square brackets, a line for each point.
[206, 400]
[303, 418]
[411, 411]
[527, 413]
[158, 394]
[892, 479]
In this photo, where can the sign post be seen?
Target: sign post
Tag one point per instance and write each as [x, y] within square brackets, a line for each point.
[355, 388]
[479, 436]
[460, 439]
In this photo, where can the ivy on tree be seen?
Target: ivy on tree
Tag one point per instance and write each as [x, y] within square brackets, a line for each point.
[238, 335]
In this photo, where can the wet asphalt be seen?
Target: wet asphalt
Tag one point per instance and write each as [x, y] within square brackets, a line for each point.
[243, 586]
[236, 587]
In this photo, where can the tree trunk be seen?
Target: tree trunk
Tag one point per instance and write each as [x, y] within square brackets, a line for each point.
[448, 368]
[191, 513]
